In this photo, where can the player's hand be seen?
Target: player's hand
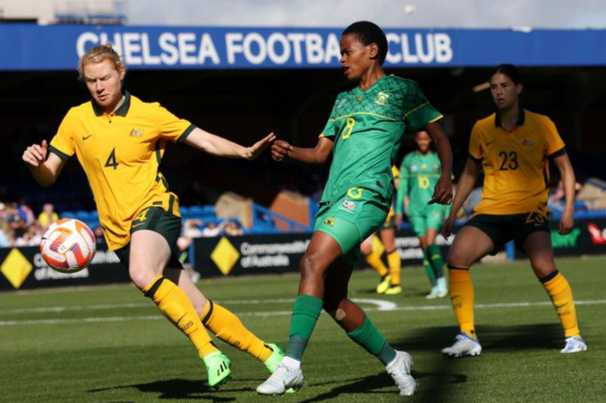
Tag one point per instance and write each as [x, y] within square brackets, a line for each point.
[566, 223]
[448, 226]
[280, 149]
[399, 220]
[257, 149]
[442, 194]
[35, 155]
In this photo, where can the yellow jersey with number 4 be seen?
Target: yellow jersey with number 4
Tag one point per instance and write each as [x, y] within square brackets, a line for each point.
[121, 154]
[516, 163]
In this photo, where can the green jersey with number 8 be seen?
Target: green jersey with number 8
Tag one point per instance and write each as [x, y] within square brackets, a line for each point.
[367, 128]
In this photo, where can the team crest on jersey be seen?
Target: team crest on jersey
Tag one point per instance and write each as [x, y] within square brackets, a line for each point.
[136, 133]
[527, 142]
[348, 206]
[382, 98]
[330, 221]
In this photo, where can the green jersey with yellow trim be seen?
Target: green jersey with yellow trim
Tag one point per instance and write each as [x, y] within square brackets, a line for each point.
[367, 128]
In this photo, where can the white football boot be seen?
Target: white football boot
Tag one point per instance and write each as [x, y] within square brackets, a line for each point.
[463, 345]
[574, 345]
[283, 379]
[399, 369]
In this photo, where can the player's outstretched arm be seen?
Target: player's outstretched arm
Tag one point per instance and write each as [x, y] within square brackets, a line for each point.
[280, 150]
[442, 193]
[466, 183]
[45, 170]
[568, 181]
[216, 145]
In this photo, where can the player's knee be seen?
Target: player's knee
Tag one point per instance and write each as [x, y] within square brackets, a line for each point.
[310, 266]
[140, 277]
[543, 269]
[457, 257]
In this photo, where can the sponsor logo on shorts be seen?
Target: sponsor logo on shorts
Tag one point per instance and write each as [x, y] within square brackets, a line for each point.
[348, 206]
[330, 221]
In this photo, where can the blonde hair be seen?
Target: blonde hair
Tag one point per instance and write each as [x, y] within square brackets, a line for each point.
[97, 54]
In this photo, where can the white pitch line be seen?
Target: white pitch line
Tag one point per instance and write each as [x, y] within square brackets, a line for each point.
[382, 305]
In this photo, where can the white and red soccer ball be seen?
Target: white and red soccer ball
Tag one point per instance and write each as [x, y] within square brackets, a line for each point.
[68, 245]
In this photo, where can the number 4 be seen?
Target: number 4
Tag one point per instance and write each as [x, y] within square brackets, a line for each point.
[111, 160]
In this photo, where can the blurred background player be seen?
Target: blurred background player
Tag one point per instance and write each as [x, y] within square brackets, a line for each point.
[119, 140]
[514, 147]
[363, 133]
[381, 241]
[419, 173]
[48, 215]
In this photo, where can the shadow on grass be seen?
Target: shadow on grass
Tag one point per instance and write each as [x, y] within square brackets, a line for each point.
[493, 338]
[441, 372]
[176, 389]
[375, 385]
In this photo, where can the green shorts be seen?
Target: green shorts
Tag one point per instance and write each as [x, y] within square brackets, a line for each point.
[160, 221]
[504, 228]
[350, 220]
[432, 216]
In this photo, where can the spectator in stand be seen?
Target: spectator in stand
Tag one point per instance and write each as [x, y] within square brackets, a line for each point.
[4, 228]
[26, 213]
[233, 228]
[48, 215]
[213, 229]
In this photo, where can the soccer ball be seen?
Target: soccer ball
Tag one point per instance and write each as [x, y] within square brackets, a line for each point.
[68, 246]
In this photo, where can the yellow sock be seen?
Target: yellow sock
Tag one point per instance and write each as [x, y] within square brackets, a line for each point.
[462, 296]
[561, 296]
[395, 266]
[374, 260]
[227, 327]
[176, 307]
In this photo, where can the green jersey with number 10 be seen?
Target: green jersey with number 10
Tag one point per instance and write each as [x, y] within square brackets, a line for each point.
[367, 128]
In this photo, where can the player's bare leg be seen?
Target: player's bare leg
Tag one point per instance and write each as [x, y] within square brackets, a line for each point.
[149, 254]
[322, 251]
[361, 330]
[469, 246]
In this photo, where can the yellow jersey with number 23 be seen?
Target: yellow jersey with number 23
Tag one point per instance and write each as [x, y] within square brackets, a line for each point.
[516, 163]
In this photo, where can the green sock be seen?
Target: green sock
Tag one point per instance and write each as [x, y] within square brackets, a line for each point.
[429, 269]
[367, 336]
[435, 258]
[305, 314]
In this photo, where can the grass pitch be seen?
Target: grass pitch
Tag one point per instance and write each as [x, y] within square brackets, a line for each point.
[111, 345]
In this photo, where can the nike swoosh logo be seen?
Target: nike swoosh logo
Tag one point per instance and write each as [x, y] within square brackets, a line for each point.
[138, 225]
[86, 137]
[489, 143]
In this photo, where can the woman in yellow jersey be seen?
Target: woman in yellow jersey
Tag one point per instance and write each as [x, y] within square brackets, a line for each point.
[119, 140]
[514, 147]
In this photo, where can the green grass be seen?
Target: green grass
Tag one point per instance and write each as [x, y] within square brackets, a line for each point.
[110, 345]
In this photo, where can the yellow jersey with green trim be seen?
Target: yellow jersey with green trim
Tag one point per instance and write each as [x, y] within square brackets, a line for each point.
[121, 154]
[367, 128]
[515, 163]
